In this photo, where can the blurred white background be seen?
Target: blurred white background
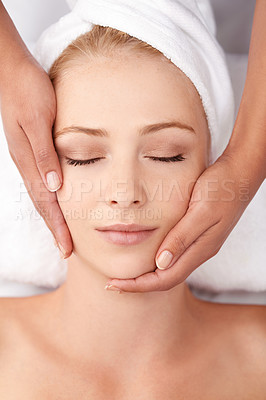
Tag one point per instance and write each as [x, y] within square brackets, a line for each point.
[233, 18]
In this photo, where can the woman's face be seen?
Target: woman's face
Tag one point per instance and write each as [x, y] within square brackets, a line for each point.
[112, 107]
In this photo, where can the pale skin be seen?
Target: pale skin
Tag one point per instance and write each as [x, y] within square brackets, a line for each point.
[84, 342]
[28, 118]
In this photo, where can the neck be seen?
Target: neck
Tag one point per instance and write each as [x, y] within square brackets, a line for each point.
[108, 327]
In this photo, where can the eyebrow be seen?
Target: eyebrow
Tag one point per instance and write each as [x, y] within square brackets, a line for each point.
[146, 130]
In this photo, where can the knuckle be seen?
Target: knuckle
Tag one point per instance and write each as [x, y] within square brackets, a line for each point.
[42, 155]
[179, 242]
[167, 286]
[163, 284]
[159, 283]
[53, 202]
[211, 250]
[181, 277]
[59, 222]
[215, 251]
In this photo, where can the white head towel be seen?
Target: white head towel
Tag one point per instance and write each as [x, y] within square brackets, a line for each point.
[183, 30]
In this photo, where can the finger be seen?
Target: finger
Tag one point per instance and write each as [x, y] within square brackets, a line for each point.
[144, 283]
[40, 137]
[184, 266]
[193, 224]
[44, 201]
[193, 257]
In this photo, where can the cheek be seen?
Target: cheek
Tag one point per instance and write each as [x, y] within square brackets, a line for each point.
[78, 186]
[175, 199]
[177, 190]
[75, 201]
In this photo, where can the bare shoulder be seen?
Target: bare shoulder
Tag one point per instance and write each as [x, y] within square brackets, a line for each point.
[17, 314]
[249, 344]
[12, 312]
[13, 308]
[244, 324]
[10, 340]
[8, 313]
[251, 330]
[19, 319]
[250, 322]
[21, 316]
[238, 334]
[16, 336]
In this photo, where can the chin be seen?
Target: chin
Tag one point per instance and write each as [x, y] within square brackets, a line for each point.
[129, 267]
[129, 273]
[118, 262]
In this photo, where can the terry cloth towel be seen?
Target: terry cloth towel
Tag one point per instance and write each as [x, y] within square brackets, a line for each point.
[183, 30]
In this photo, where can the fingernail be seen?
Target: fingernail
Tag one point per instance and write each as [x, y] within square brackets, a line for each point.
[62, 251]
[53, 181]
[112, 287]
[164, 259]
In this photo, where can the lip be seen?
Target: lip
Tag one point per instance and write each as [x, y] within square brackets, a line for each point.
[125, 234]
[125, 228]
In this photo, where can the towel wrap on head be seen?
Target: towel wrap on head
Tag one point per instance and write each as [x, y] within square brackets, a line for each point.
[183, 30]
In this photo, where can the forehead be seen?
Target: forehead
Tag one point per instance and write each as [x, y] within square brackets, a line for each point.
[126, 88]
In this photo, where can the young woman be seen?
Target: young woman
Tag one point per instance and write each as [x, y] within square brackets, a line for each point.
[132, 138]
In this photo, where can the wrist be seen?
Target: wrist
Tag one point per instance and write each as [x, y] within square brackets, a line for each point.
[12, 48]
[248, 164]
[14, 57]
[248, 140]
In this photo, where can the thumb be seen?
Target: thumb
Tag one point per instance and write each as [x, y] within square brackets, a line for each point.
[180, 237]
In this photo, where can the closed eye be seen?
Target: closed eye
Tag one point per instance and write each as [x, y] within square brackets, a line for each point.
[70, 161]
[178, 157]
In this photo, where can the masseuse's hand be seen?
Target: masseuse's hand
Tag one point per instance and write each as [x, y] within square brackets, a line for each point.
[28, 108]
[218, 200]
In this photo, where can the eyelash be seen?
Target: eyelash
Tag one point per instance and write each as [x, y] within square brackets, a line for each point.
[176, 158]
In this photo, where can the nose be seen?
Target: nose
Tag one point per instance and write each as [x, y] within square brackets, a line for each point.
[125, 193]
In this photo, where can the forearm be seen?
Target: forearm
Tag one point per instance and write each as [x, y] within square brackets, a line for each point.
[248, 139]
[12, 47]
